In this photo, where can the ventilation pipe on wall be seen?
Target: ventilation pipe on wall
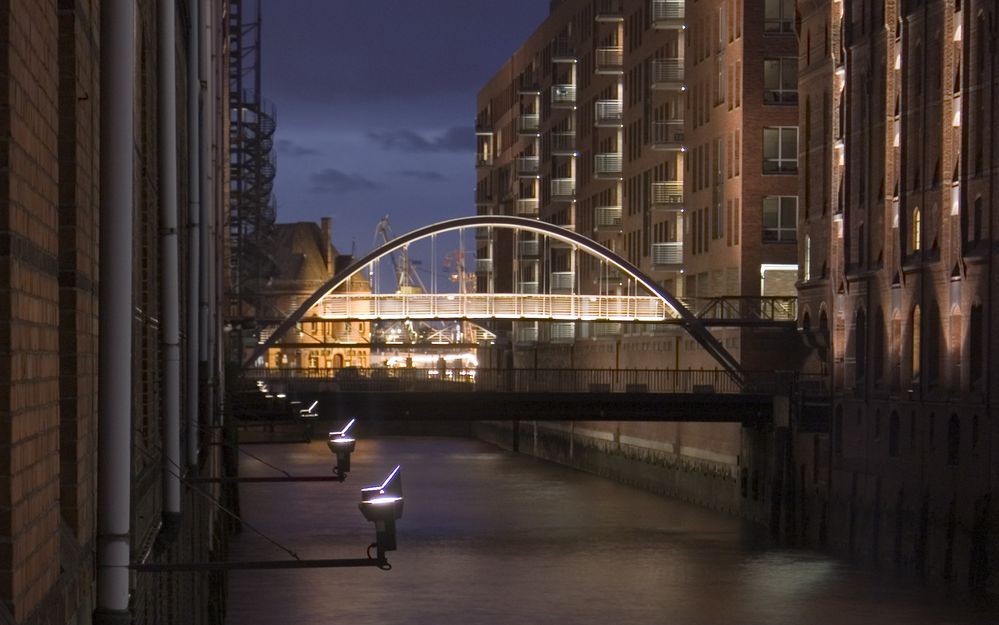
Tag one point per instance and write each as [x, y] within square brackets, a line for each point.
[194, 233]
[114, 468]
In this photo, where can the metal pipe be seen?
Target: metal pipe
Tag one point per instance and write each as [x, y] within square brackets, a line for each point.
[170, 272]
[194, 230]
[208, 171]
[118, 53]
[167, 567]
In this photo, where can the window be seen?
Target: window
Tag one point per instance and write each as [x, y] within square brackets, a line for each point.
[779, 16]
[780, 81]
[808, 259]
[916, 233]
[780, 218]
[780, 150]
[916, 345]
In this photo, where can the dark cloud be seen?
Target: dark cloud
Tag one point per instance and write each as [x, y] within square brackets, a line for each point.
[458, 139]
[290, 148]
[420, 174]
[331, 180]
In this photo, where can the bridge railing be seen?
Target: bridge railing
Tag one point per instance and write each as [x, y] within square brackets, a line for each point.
[462, 380]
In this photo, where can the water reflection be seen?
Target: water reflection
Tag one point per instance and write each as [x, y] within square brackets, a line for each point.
[492, 537]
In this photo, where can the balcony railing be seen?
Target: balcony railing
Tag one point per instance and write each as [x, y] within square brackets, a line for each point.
[607, 165]
[607, 216]
[609, 10]
[529, 123]
[667, 194]
[563, 95]
[610, 60]
[609, 113]
[562, 280]
[563, 143]
[667, 73]
[528, 248]
[527, 207]
[562, 332]
[667, 135]
[528, 166]
[563, 51]
[531, 288]
[483, 265]
[526, 333]
[667, 254]
[667, 13]
[563, 187]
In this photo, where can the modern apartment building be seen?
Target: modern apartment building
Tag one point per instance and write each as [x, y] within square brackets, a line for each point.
[667, 131]
[898, 286]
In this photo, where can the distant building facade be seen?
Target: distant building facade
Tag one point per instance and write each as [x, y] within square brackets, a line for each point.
[898, 283]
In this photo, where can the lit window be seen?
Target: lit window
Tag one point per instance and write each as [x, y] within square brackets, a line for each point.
[916, 229]
[808, 258]
[780, 150]
[780, 81]
[780, 218]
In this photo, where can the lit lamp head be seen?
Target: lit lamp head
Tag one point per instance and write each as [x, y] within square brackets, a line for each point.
[342, 445]
[382, 505]
[310, 412]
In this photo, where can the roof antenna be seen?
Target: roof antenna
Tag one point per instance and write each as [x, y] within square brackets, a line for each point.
[353, 247]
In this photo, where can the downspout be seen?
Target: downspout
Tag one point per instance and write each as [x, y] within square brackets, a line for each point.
[114, 469]
[170, 288]
[206, 188]
[194, 232]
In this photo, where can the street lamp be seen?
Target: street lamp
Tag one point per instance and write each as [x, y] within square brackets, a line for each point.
[342, 445]
[382, 505]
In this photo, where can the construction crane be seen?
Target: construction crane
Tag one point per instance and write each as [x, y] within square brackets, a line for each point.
[406, 278]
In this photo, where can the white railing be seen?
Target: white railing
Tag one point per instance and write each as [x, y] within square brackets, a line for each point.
[562, 331]
[609, 112]
[667, 192]
[526, 334]
[667, 253]
[563, 94]
[608, 164]
[668, 133]
[563, 280]
[528, 247]
[610, 58]
[528, 165]
[483, 265]
[666, 10]
[527, 207]
[607, 216]
[563, 187]
[530, 122]
[563, 142]
[667, 71]
[566, 307]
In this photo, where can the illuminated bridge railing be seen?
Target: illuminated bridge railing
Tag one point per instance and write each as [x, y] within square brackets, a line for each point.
[361, 306]
[461, 380]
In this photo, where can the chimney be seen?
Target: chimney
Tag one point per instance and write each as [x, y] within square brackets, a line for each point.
[327, 243]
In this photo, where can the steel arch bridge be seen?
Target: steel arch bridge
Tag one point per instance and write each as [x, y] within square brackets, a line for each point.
[658, 305]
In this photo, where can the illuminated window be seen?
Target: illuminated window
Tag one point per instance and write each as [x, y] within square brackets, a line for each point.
[808, 258]
[915, 345]
[916, 232]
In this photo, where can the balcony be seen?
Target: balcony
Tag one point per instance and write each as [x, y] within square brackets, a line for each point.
[528, 166]
[667, 255]
[562, 281]
[528, 247]
[667, 195]
[562, 332]
[607, 165]
[667, 135]
[563, 96]
[667, 14]
[667, 75]
[483, 265]
[527, 207]
[607, 217]
[531, 288]
[563, 188]
[563, 51]
[609, 10]
[529, 123]
[610, 60]
[563, 143]
[525, 333]
[609, 114]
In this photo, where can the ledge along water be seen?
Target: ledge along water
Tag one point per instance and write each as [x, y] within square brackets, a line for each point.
[492, 537]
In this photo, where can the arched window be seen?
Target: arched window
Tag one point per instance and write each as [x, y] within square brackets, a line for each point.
[975, 340]
[915, 343]
[808, 258]
[916, 229]
[953, 441]
[893, 434]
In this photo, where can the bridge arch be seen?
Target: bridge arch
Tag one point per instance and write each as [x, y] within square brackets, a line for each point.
[693, 326]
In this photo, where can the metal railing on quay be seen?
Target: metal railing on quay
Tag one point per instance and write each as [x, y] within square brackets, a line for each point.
[452, 378]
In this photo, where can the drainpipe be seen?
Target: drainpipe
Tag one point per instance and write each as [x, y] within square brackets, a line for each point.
[114, 469]
[207, 189]
[194, 232]
[170, 273]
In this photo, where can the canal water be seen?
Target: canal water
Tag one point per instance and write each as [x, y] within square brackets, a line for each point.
[491, 537]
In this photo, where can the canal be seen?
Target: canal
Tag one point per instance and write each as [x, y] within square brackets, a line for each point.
[491, 537]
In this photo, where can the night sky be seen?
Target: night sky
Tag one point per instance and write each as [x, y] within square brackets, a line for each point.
[376, 105]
